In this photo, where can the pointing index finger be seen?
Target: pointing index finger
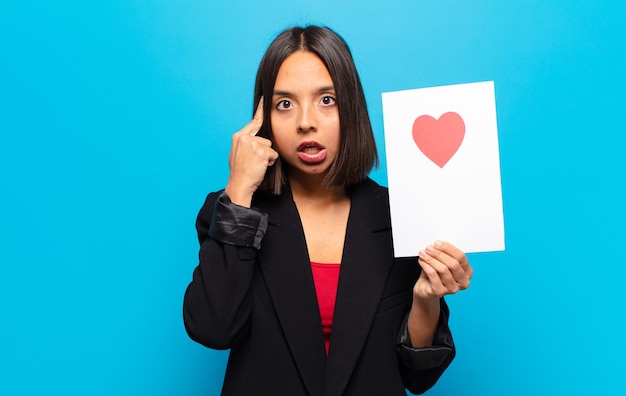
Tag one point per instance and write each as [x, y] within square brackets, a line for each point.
[257, 120]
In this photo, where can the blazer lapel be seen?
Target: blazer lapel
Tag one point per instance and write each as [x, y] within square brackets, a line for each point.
[367, 259]
[285, 265]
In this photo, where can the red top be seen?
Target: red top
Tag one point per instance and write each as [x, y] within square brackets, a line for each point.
[326, 278]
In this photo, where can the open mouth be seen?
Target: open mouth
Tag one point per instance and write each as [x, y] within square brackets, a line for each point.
[311, 149]
[311, 152]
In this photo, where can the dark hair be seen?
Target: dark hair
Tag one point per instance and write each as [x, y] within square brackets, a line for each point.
[357, 148]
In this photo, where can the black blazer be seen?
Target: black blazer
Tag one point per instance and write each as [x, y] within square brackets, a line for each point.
[262, 305]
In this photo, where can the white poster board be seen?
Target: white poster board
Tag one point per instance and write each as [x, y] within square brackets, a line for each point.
[443, 168]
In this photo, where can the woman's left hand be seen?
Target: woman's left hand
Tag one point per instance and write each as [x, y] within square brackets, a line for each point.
[445, 270]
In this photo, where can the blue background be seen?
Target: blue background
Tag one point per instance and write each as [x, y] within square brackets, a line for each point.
[115, 122]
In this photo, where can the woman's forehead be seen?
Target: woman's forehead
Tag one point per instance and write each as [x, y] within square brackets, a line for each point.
[303, 70]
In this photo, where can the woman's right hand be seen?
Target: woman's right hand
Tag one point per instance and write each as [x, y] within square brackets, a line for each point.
[249, 157]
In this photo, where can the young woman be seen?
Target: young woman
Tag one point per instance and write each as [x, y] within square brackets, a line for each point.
[297, 274]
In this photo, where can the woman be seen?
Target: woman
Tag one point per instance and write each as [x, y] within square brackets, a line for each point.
[297, 275]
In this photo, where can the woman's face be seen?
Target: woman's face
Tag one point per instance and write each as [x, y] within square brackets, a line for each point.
[305, 118]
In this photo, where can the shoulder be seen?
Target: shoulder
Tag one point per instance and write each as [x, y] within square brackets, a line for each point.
[371, 191]
[371, 202]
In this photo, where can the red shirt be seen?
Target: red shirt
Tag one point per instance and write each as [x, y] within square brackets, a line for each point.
[326, 278]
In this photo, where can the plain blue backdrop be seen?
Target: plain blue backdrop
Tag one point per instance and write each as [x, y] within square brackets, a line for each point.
[115, 122]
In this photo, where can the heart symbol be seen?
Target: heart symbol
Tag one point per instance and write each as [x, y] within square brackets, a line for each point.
[439, 139]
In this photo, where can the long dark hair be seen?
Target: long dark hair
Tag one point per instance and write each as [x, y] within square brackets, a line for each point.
[357, 148]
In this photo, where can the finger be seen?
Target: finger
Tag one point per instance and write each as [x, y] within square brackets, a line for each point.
[459, 273]
[257, 120]
[273, 157]
[444, 272]
[436, 286]
[262, 141]
[254, 126]
[243, 139]
[452, 273]
[449, 249]
[262, 148]
[455, 253]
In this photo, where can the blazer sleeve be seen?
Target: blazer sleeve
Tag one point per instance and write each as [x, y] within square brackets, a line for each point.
[421, 367]
[217, 304]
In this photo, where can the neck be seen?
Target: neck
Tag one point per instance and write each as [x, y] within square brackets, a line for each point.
[312, 190]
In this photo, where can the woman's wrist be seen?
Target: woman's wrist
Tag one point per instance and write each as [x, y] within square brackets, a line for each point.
[238, 196]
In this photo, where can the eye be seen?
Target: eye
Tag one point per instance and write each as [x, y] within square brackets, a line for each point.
[328, 100]
[283, 105]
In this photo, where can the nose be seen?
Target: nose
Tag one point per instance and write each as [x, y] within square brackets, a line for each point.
[307, 120]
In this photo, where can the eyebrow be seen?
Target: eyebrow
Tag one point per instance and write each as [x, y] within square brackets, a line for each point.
[325, 88]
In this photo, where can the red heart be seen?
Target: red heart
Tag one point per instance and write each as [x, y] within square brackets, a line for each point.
[439, 139]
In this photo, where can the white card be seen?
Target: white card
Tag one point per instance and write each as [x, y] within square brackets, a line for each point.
[444, 168]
